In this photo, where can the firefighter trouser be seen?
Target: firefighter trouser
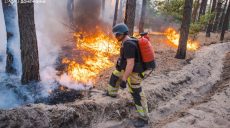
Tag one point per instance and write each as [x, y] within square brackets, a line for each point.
[135, 89]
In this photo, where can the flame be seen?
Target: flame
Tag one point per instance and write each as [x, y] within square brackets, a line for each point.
[98, 48]
[174, 37]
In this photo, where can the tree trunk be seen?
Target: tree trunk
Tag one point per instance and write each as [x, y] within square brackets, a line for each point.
[9, 15]
[217, 17]
[195, 10]
[143, 13]
[103, 5]
[121, 18]
[70, 10]
[226, 23]
[202, 8]
[222, 15]
[130, 15]
[210, 24]
[115, 13]
[28, 40]
[184, 31]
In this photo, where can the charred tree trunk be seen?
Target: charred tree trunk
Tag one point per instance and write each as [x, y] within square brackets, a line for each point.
[222, 15]
[28, 40]
[130, 15]
[217, 17]
[70, 10]
[184, 31]
[210, 24]
[115, 13]
[195, 10]
[226, 23]
[9, 15]
[202, 8]
[142, 20]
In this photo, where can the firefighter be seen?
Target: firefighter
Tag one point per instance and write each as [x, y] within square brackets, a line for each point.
[129, 72]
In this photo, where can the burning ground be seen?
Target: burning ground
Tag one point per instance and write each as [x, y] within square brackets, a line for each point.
[94, 54]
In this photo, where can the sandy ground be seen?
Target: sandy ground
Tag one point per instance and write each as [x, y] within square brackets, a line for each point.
[197, 103]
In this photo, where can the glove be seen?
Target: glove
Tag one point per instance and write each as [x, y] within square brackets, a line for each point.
[123, 84]
[118, 65]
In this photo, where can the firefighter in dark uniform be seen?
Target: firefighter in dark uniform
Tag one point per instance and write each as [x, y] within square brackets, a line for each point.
[129, 73]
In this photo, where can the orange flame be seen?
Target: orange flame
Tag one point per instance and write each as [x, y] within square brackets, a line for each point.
[174, 37]
[99, 48]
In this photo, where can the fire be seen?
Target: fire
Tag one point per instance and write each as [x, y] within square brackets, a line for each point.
[98, 49]
[174, 37]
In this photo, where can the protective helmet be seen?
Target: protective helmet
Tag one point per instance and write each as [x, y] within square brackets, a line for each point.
[120, 29]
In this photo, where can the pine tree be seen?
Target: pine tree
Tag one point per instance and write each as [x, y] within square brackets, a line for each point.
[210, 24]
[28, 40]
[115, 13]
[143, 13]
[222, 15]
[70, 10]
[217, 17]
[195, 10]
[226, 22]
[184, 31]
[130, 15]
[203, 8]
[9, 15]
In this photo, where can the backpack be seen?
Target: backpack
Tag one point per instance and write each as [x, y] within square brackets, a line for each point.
[147, 53]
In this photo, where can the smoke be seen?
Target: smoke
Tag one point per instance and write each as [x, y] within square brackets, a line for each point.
[11, 92]
[87, 14]
[13, 44]
[53, 33]
[2, 40]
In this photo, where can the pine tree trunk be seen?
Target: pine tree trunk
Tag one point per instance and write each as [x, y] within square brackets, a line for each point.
[130, 15]
[9, 15]
[184, 31]
[217, 17]
[202, 8]
[210, 24]
[226, 23]
[222, 15]
[195, 10]
[121, 18]
[28, 40]
[143, 13]
[70, 10]
[115, 13]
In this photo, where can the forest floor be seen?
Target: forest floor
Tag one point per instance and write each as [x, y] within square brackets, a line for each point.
[190, 93]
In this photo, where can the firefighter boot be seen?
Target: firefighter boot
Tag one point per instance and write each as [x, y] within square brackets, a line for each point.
[139, 122]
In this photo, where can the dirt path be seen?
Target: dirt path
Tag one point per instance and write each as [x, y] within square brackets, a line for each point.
[210, 110]
[204, 107]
